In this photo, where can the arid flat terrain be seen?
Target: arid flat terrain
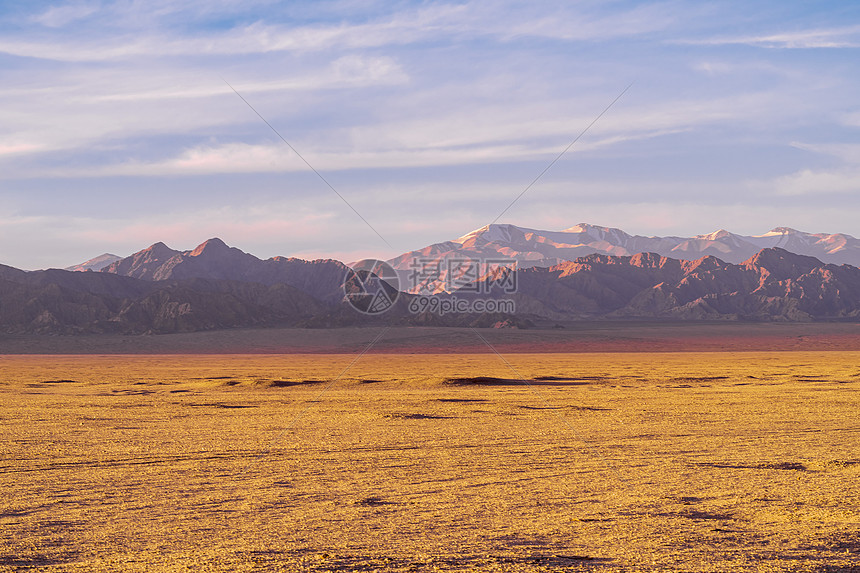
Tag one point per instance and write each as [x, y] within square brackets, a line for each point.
[599, 336]
[723, 461]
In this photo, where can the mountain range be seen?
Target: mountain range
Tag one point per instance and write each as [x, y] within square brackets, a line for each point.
[215, 260]
[519, 247]
[773, 284]
[581, 273]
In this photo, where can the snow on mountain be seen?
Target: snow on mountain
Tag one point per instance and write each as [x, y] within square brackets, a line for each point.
[445, 267]
[95, 264]
[836, 248]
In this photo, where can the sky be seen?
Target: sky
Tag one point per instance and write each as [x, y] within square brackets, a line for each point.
[422, 121]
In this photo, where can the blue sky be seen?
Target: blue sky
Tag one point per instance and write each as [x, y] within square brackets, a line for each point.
[117, 128]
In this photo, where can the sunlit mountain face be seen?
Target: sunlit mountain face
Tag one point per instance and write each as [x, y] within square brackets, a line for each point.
[511, 246]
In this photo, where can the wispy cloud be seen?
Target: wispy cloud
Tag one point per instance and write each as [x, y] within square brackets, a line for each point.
[441, 141]
[257, 38]
[87, 109]
[847, 152]
[818, 182]
[7, 149]
[838, 37]
[126, 36]
[65, 14]
[841, 176]
[254, 38]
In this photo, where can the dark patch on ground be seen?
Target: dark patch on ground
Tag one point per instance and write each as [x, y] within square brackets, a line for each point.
[417, 417]
[760, 466]
[289, 383]
[221, 405]
[842, 463]
[332, 561]
[782, 466]
[537, 381]
[696, 514]
[28, 561]
[124, 392]
[483, 381]
[568, 406]
[550, 560]
[14, 513]
[568, 378]
[461, 400]
[372, 502]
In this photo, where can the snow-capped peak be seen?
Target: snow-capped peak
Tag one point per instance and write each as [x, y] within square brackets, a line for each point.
[780, 231]
[492, 233]
[719, 234]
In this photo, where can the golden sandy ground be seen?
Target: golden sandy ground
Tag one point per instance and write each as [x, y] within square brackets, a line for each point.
[623, 462]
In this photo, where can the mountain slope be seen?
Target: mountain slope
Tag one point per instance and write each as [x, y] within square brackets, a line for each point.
[519, 247]
[774, 284]
[213, 259]
[65, 302]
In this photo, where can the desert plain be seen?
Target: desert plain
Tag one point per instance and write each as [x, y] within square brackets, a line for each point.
[739, 453]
